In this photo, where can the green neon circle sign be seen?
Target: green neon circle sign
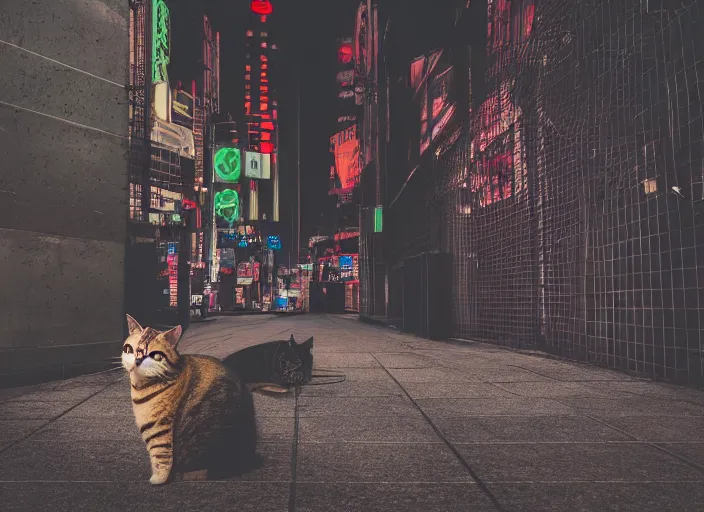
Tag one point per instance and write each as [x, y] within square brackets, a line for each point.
[228, 164]
[227, 205]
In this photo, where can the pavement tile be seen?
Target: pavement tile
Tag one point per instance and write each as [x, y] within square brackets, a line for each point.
[75, 394]
[405, 360]
[352, 388]
[88, 428]
[10, 393]
[636, 406]
[449, 407]
[143, 497]
[573, 372]
[454, 390]
[274, 405]
[276, 464]
[122, 461]
[118, 391]
[381, 429]
[386, 497]
[600, 497]
[12, 430]
[33, 410]
[275, 428]
[661, 428]
[526, 429]
[101, 379]
[357, 462]
[447, 374]
[693, 452]
[75, 460]
[361, 374]
[574, 462]
[438, 374]
[344, 360]
[97, 407]
[355, 406]
[652, 390]
[553, 389]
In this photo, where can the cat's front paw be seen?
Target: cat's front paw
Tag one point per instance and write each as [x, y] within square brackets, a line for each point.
[159, 478]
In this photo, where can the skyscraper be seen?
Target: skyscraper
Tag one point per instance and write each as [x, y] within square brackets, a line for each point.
[261, 109]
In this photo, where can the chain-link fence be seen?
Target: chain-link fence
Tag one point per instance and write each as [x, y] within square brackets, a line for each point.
[572, 201]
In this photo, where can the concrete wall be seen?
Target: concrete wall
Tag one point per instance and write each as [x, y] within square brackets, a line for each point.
[63, 185]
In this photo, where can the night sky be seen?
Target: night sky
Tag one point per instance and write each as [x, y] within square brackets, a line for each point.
[307, 49]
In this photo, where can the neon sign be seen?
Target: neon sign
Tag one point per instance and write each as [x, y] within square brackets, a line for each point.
[344, 53]
[261, 7]
[161, 56]
[227, 205]
[274, 243]
[228, 165]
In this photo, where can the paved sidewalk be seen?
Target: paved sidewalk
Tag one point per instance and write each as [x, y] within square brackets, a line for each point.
[416, 426]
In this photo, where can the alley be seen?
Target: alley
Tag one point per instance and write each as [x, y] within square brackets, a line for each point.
[415, 425]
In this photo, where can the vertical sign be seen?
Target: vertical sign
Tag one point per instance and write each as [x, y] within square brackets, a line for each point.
[161, 55]
[253, 166]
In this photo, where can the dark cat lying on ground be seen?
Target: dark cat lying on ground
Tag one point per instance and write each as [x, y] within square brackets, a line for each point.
[276, 366]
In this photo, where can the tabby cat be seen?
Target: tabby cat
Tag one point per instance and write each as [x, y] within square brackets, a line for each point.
[275, 366]
[196, 416]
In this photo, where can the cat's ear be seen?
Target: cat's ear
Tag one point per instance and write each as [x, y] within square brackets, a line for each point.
[172, 336]
[133, 326]
[308, 343]
[291, 341]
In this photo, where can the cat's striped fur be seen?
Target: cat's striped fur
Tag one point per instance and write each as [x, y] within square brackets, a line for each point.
[195, 416]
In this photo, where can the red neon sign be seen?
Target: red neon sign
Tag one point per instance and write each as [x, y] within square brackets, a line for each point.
[262, 7]
[344, 53]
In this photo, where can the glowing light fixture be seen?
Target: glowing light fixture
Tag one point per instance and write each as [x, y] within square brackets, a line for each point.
[261, 7]
[378, 219]
[227, 205]
[228, 165]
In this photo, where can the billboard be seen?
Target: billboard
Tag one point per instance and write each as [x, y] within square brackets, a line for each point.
[182, 107]
[161, 53]
[245, 272]
[433, 92]
[344, 145]
[257, 166]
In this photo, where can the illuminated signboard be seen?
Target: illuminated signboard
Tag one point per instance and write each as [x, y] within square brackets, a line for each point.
[161, 55]
[227, 205]
[345, 147]
[378, 219]
[245, 273]
[344, 53]
[261, 7]
[172, 260]
[253, 165]
[182, 106]
[274, 243]
[228, 165]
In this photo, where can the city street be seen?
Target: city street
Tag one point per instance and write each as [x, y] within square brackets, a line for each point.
[416, 425]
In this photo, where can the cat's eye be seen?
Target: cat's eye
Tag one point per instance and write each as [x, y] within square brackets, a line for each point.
[127, 349]
[157, 356]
